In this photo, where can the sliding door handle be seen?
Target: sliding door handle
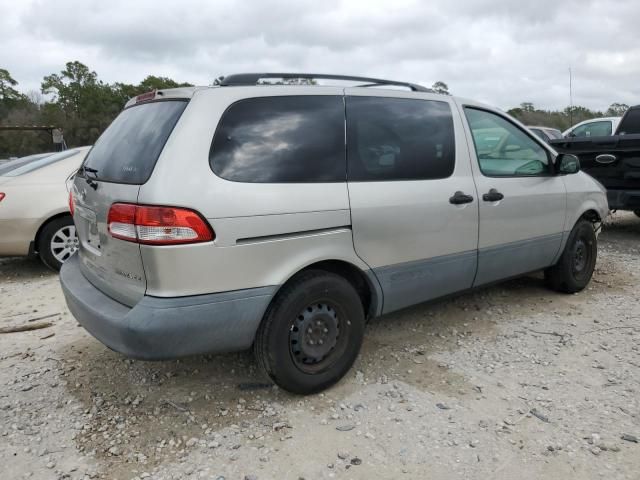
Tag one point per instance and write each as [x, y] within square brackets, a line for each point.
[460, 198]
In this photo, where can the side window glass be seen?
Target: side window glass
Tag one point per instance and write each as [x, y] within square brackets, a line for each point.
[399, 139]
[593, 129]
[281, 139]
[540, 134]
[503, 149]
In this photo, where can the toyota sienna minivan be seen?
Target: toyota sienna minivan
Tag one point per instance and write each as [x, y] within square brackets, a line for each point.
[283, 217]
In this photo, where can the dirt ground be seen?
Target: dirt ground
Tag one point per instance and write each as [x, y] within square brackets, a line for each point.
[511, 381]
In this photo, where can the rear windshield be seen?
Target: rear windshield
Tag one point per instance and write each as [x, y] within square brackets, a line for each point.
[28, 164]
[128, 150]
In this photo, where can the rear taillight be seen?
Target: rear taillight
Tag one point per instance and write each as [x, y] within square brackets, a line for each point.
[2, 195]
[71, 206]
[152, 225]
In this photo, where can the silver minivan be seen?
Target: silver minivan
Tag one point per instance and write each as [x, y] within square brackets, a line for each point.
[283, 217]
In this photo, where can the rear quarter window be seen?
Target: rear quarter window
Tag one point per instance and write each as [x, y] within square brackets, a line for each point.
[282, 139]
[399, 139]
[129, 148]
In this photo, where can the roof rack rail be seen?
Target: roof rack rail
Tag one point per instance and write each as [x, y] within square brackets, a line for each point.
[245, 79]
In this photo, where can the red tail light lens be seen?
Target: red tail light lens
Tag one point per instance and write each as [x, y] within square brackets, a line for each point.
[121, 221]
[152, 225]
[71, 206]
[2, 195]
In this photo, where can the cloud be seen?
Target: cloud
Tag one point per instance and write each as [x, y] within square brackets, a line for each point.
[498, 51]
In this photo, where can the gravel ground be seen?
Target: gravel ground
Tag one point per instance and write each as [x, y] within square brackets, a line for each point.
[511, 381]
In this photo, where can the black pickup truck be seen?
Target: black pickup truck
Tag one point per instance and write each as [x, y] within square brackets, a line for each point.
[614, 161]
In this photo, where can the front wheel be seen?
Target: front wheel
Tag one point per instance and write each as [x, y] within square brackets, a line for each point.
[311, 333]
[575, 268]
[57, 242]
[637, 212]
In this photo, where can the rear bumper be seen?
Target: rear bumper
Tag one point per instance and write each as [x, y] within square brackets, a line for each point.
[624, 199]
[164, 328]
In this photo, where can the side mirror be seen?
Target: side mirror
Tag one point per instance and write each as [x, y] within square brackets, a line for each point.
[567, 164]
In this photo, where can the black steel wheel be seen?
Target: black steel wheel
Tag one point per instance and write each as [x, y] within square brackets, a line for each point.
[311, 333]
[575, 268]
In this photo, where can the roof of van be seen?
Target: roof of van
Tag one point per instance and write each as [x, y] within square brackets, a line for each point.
[254, 79]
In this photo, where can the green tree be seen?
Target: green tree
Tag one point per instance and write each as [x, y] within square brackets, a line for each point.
[617, 109]
[440, 87]
[7, 92]
[527, 107]
[75, 88]
[159, 83]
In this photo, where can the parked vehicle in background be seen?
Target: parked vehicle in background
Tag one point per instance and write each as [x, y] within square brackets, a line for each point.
[612, 160]
[283, 217]
[34, 206]
[546, 133]
[596, 127]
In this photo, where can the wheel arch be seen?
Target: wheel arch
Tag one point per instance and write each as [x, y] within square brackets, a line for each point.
[44, 223]
[364, 282]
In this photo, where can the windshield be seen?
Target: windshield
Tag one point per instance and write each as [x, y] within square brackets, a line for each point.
[28, 164]
[128, 150]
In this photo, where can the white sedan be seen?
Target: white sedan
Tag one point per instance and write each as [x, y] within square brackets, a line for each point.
[34, 206]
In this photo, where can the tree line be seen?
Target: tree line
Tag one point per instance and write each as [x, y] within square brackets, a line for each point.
[75, 100]
[82, 105]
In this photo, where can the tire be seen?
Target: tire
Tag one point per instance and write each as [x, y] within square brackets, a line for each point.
[311, 333]
[575, 268]
[57, 242]
[637, 212]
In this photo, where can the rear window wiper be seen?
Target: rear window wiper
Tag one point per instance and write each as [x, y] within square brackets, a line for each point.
[91, 181]
[89, 169]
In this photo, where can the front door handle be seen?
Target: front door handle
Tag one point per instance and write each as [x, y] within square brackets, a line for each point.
[493, 196]
[460, 198]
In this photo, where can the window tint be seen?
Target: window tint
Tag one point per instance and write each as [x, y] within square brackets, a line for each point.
[399, 139]
[540, 134]
[630, 123]
[289, 139]
[128, 150]
[553, 133]
[593, 129]
[503, 149]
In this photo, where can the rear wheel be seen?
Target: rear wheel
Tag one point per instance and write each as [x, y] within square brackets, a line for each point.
[637, 212]
[575, 268]
[57, 242]
[311, 333]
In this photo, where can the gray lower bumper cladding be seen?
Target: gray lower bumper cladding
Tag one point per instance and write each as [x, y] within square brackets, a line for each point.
[164, 328]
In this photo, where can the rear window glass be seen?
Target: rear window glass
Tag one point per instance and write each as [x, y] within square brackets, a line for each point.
[399, 139]
[128, 150]
[28, 164]
[630, 123]
[283, 139]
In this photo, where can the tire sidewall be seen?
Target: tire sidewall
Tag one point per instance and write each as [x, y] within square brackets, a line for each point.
[44, 241]
[582, 231]
[325, 287]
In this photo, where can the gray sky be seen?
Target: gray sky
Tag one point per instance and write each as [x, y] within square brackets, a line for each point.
[502, 52]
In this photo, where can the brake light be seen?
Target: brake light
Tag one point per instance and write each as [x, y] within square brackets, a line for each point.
[2, 195]
[71, 206]
[145, 97]
[151, 225]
